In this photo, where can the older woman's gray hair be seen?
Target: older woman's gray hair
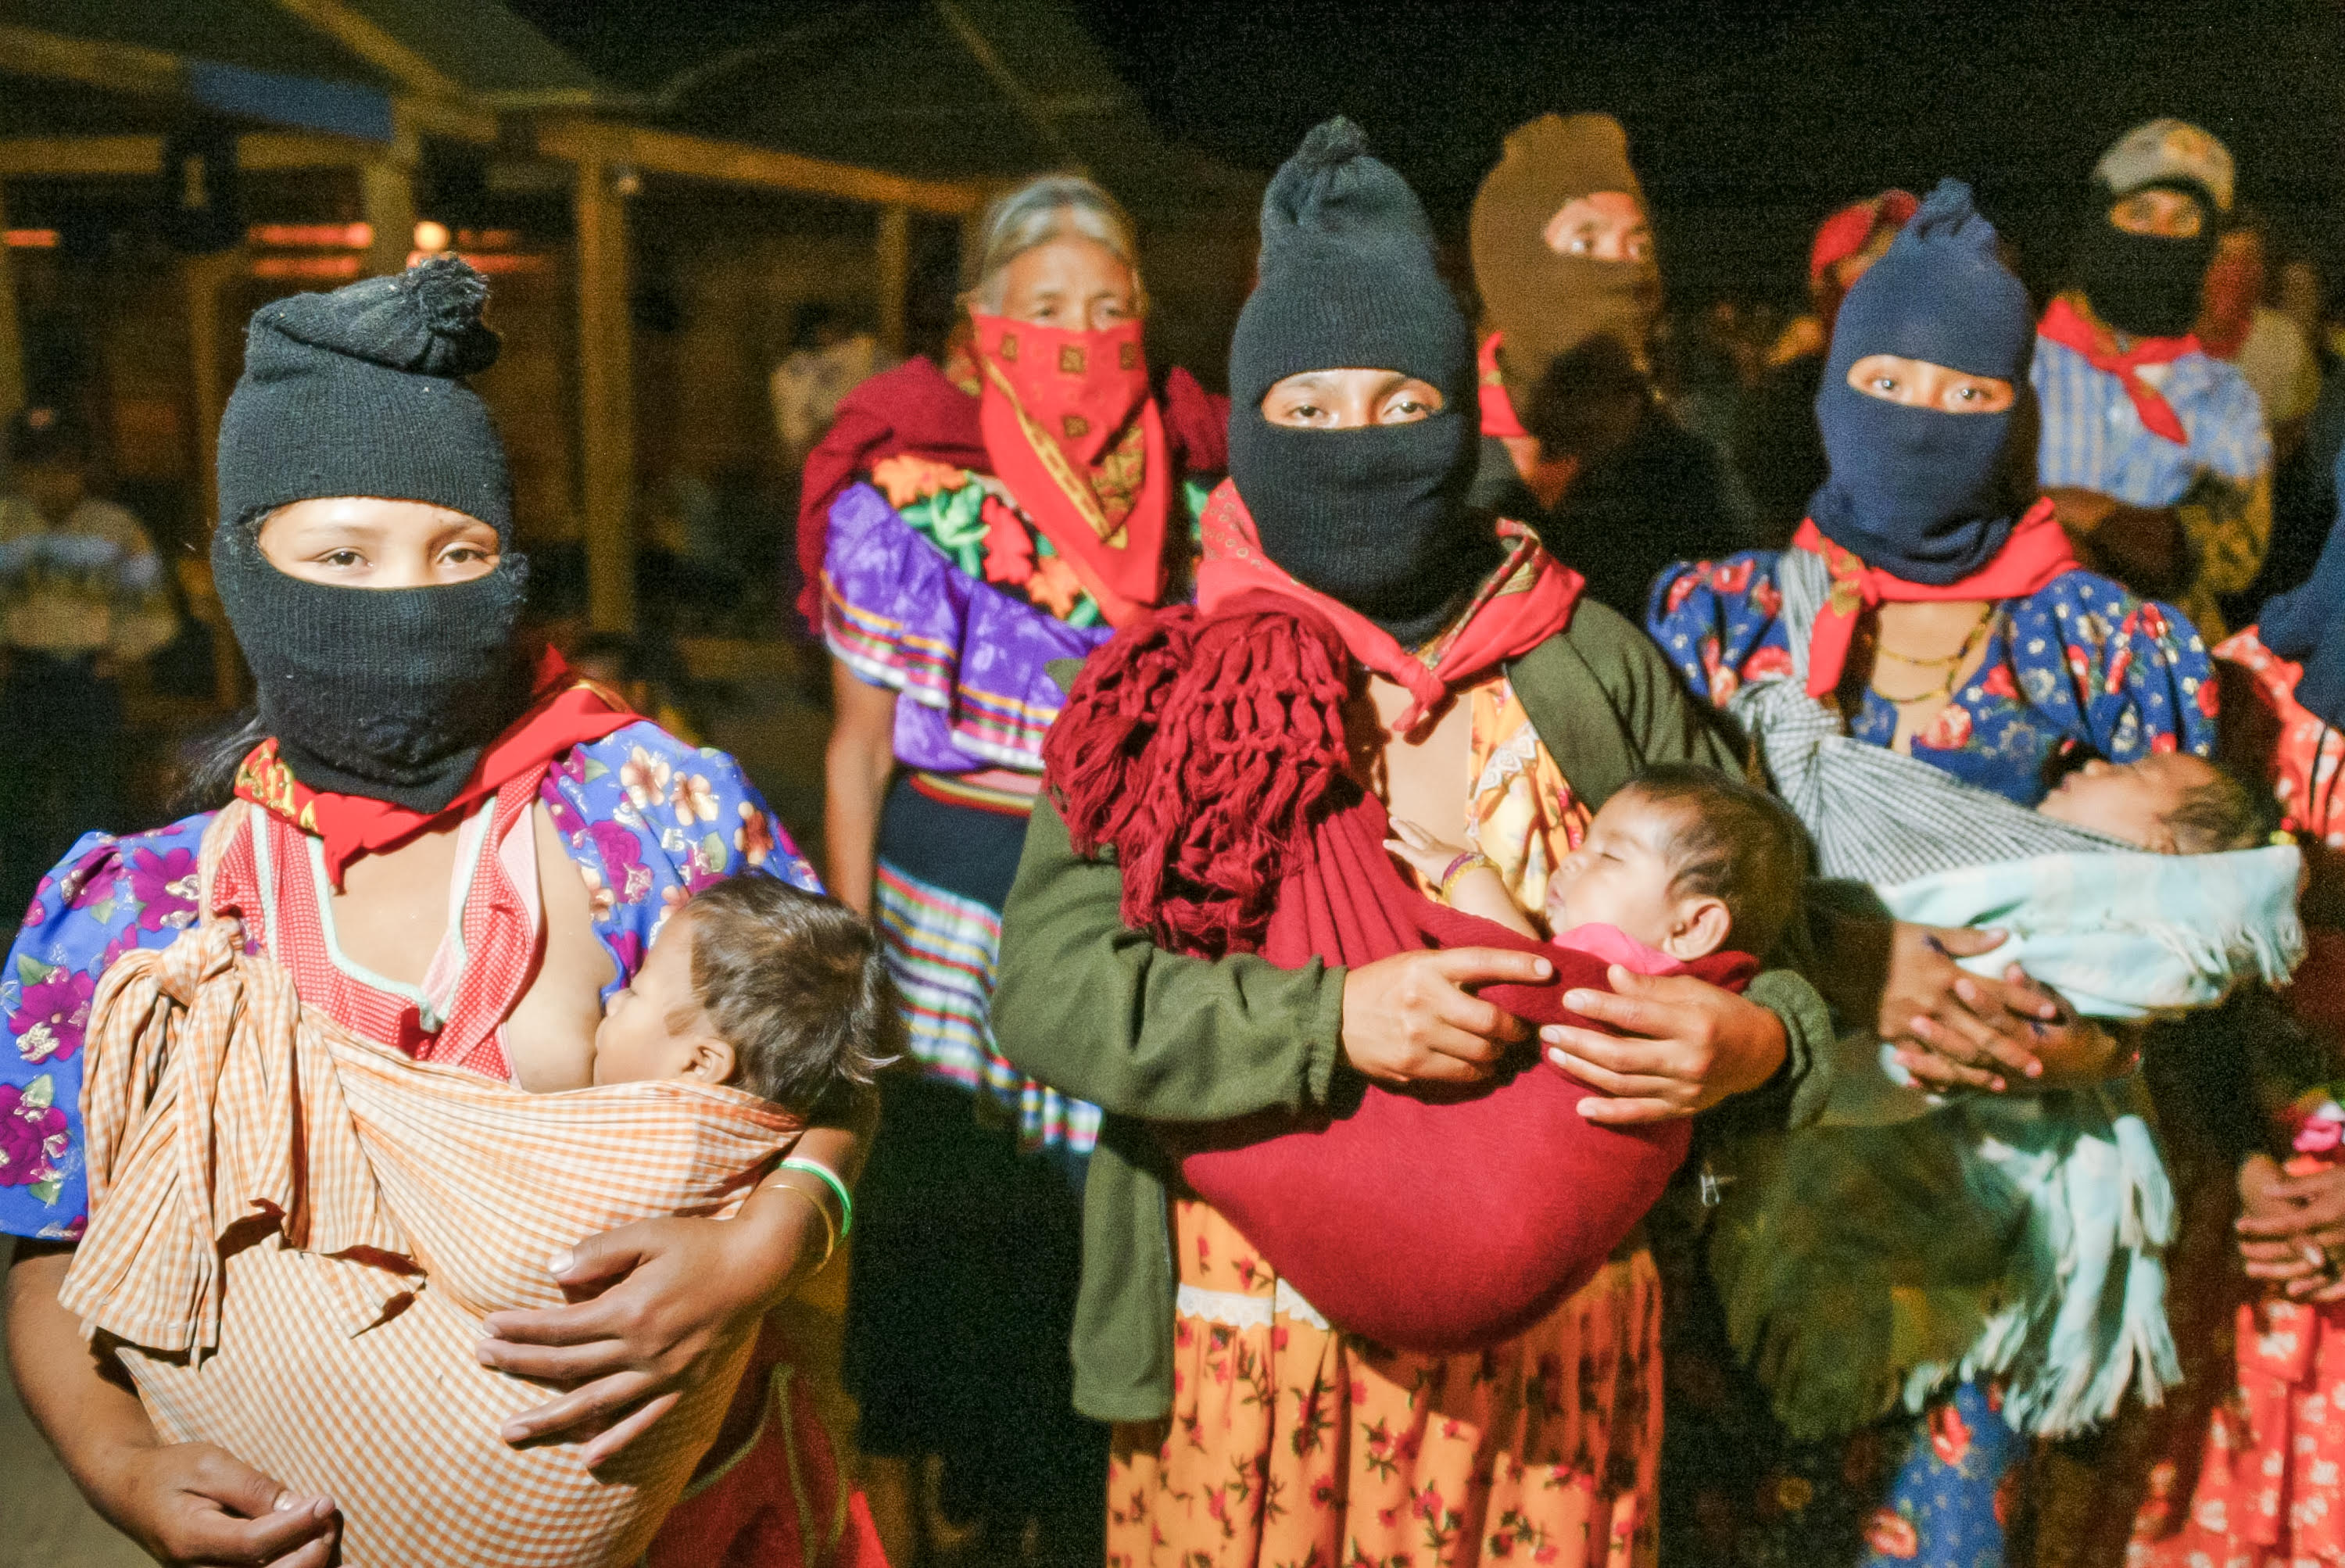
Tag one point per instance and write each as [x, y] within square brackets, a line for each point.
[1049, 207]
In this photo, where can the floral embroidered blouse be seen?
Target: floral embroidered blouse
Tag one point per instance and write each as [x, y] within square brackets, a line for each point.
[2079, 664]
[646, 820]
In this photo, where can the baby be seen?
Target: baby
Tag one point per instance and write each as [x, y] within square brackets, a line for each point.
[755, 983]
[2170, 803]
[1678, 864]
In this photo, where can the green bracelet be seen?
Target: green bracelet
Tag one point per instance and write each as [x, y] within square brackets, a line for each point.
[830, 1177]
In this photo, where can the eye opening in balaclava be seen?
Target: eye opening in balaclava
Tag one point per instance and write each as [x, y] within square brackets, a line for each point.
[387, 693]
[1927, 495]
[1373, 517]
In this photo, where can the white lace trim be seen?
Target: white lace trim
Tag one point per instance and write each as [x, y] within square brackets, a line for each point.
[1236, 1311]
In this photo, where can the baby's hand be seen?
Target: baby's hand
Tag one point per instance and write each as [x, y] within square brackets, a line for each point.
[1425, 854]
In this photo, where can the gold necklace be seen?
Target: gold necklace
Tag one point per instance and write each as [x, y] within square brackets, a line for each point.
[1953, 665]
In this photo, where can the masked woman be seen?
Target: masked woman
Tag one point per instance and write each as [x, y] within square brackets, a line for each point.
[965, 527]
[1251, 1431]
[1939, 615]
[404, 747]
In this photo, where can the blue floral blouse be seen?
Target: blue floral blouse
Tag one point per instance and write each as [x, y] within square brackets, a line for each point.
[2080, 663]
[646, 819]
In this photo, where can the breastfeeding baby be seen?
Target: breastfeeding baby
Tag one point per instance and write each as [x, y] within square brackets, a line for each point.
[1680, 863]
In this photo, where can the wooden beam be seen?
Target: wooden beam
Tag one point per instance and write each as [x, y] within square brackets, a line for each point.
[606, 406]
[894, 249]
[80, 156]
[733, 163]
[201, 280]
[376, 46]
[416, 117]
[88, 62]
[12, 338]
[387, 202]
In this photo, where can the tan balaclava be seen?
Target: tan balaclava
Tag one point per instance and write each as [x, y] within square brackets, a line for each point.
[1548, 304]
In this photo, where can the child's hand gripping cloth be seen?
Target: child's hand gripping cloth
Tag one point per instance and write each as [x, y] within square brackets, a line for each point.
[1909, 1240]
[294, 1233]
[1207, 752]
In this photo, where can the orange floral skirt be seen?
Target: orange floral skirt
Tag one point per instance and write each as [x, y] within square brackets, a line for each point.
[1294, 1446]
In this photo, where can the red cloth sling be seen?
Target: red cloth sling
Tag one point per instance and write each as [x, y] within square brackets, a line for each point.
[2036, 555]
[1208, 751]
[1424, 1221]
[2064, 326]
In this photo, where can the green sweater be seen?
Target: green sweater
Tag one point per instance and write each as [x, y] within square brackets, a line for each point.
[1095, 1010]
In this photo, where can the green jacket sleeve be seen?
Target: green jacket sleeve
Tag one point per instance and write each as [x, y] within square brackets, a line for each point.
[1095, 1010]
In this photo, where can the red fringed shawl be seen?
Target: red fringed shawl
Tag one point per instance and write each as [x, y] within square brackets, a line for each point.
[1208, 751]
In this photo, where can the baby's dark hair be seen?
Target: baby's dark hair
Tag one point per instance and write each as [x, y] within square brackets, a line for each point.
[1734, 842]
[2226, 812]
[796, 983]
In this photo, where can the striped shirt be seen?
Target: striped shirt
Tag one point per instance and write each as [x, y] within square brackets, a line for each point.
[2092, 439]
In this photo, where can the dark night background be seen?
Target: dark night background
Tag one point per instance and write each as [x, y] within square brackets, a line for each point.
[1748, 122]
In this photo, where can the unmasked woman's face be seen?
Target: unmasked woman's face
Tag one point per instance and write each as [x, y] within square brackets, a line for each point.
[363, 542]
[1349, 400]
[1071, 283]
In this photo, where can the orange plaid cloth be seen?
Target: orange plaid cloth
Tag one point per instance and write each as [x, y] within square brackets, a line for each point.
[295, 1233]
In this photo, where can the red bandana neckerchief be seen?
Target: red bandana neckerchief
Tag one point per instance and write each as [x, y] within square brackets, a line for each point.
[1054, 403]
[2037, 553]
[568, 710]
[1497, 409]
[1528, 599]
[2064, 326]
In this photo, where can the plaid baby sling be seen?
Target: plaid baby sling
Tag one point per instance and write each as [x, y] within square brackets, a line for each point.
[295, 1233]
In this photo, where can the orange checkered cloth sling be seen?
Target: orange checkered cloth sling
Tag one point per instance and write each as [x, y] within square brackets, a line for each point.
[295, 1232]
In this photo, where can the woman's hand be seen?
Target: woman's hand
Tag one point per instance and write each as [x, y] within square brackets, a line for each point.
[2292, 1228]
[1690, 1045]
[1409, 1018]
[188, 1505]
[192, 1505]
[1956, 1030]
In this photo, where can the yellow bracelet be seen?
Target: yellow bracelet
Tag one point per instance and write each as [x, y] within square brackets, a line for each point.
[829, 1226]
[1471, 860]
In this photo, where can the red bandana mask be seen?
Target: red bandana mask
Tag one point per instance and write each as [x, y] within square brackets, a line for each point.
[1083, 388]
[1053, 403]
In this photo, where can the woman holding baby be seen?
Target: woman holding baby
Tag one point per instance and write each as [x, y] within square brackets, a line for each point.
[455, 857]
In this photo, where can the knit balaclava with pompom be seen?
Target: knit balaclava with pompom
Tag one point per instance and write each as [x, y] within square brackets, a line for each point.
[1373, 517]
[1922, 494]
[388, 693]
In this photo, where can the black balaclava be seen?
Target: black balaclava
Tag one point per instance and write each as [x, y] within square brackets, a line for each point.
[389, 693]
[1918, 493]
[2145, 285]
[1375, 517]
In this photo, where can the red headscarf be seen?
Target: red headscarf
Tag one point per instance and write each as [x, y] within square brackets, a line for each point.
[568, 710]
[1845, 233]
[2036, 554]
[2064, 326]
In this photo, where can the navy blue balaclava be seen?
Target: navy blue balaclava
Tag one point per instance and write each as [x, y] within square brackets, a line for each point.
[2307, 624]
[1920, 494]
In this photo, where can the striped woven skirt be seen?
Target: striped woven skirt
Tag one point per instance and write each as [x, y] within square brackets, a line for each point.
[967, 1238]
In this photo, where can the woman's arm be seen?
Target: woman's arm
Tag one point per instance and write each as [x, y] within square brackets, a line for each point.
[1094, 1009]
[856, 768]
[667, 1300]
[183, 1504]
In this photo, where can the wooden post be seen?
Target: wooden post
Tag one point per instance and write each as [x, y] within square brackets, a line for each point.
[895, 248]
[12, 339]
[606, 400]
[201, 279]
[387, 202]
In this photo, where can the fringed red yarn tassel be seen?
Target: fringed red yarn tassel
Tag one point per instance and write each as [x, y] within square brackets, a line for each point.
[1203, 750]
